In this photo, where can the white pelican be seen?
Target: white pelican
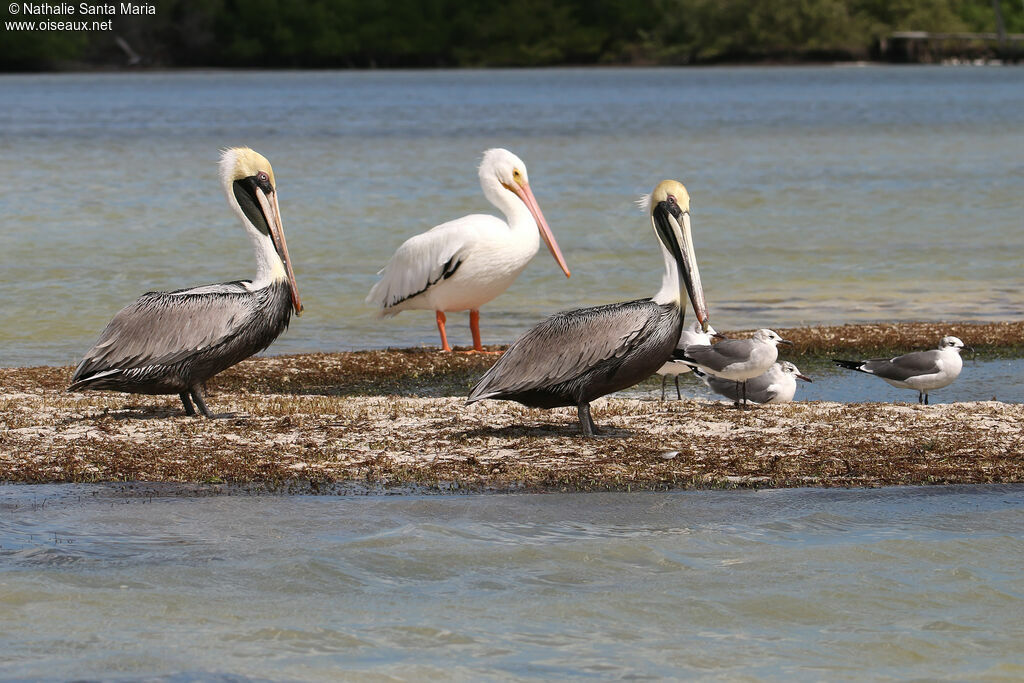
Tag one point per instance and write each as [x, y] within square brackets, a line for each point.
[576, 356]
[172, 342]
[737, 359]
[922, 371]
[462, 264]
[778, 385]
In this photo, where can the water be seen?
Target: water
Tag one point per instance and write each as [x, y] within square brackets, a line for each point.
[1001, 380]
[820, 195]
[806, 584]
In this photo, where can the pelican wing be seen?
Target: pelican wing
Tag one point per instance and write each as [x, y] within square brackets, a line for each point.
[565, 346]
[904, 367]
[163, 328]
[424, 260]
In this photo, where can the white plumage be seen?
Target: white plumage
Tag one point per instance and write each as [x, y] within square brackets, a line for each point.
[694, 334]
[462, 264]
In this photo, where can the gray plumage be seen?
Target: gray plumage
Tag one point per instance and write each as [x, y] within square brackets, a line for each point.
[778, 385]
[718, 357]
[738, 360]
[172, 342]
[922, 371]
[574, 357]
[902, 368]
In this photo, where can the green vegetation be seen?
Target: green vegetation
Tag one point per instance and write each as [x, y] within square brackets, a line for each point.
[429, 33]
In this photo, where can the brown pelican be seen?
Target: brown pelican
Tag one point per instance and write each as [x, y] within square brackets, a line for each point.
[172, 342]
[576, 356]
[462, 264]
[737, 359]
[778, 385]
[694, 334]
[922, 371]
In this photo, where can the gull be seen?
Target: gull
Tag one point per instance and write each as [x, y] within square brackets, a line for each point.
[778, 385]
[736, 359]
[922, 371]
[694, 334]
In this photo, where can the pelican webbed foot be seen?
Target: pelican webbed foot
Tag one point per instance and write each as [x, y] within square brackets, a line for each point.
[197, 396]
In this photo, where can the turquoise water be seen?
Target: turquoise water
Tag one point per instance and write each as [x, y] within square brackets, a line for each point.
[820, 195]
[920, 583]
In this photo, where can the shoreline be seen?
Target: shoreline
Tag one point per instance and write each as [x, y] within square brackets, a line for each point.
[395, 421]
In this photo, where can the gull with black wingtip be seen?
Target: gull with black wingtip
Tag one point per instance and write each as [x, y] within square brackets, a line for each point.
[921, 371]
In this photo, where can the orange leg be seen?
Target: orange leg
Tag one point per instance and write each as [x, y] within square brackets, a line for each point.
[440, 328]
[474, 327]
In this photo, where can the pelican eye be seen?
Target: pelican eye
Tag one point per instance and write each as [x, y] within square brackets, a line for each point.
[263, 181]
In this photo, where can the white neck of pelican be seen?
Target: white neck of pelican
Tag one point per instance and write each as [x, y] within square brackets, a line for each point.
[516, 213]
[670, 282]
[269, 266]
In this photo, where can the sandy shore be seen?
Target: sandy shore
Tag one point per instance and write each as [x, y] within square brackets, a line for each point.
[392, 419]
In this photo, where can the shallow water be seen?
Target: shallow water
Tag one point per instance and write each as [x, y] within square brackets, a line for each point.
[806, 584]
[820, 195]
[995, 380]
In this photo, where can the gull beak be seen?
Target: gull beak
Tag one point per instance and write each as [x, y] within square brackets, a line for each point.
[786, 342]
[272, 212]
[804, 378]
[524, 193]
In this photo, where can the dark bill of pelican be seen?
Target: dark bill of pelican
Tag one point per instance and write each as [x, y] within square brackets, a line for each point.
[672, 224]
[258, 200]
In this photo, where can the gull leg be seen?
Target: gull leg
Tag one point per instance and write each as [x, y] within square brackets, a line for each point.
[441, 320]
[679, 396]
[197, 396]
[586, 422]
[664, 378]
[744, 394]
[187, 402]
[926, 398]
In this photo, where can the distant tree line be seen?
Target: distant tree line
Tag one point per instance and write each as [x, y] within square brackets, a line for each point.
[453, 33]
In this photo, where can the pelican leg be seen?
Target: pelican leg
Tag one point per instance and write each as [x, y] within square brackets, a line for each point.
[197, 396]
[187, 402]
[586, 422]
[474, 327]
[679, 396]
[664, 378]
[441, 320]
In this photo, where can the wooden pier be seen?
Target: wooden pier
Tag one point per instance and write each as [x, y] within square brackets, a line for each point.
[923, 47]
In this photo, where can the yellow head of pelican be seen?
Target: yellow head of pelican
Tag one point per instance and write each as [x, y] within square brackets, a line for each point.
[669, 206]
[508, 171]
[248, 180]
